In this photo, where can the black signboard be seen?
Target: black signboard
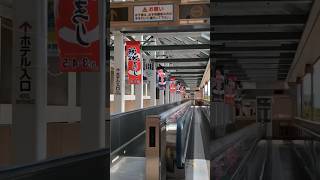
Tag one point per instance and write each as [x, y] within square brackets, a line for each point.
[194, 11]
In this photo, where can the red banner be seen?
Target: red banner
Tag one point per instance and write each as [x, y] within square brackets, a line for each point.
[77, 33]
[230, 90]
[133, 62]
[172, 84]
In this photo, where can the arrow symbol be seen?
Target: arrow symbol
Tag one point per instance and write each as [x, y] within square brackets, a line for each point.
[25, 26]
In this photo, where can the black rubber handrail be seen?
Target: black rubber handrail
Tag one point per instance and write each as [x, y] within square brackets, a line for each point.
[57, 167]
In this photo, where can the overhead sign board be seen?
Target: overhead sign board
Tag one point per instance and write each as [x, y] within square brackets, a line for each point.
[153, 13]
[77, 32]
[194, 11]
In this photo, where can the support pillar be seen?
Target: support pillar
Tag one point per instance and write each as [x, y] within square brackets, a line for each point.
[153, 86]
[139, 87]
[119, 70]
[161, 97]
[167, 96]
[29, 81]
[93, 97]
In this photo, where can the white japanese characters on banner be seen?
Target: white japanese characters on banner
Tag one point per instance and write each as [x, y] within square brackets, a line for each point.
[153, 13]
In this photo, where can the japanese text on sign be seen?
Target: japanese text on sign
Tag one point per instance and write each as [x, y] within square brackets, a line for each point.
[77, 30]
[153, 13]
[134, 62]
[148, 69]
[25, 77]
[118, 82]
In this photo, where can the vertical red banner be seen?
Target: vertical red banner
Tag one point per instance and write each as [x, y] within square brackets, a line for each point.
[230, 90]
[133, 56]
[77, 33]
[172, 84]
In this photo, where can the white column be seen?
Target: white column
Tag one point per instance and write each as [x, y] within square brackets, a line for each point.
[132, 89]
[119, 69]
[161, 97]
[29, 94]
[167, 97]
[153, 86]
[146, 86]
[72, 89]
[93, 97]
[153, 82]
[139, 88]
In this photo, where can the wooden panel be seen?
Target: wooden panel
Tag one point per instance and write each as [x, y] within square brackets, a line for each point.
[63, 139]
[71, 138]
[54, 138]
[5, 145]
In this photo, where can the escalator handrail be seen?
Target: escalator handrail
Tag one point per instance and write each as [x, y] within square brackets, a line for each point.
[245, 159]
[224, 143]
[115, 115]
[165, 115]
[36, 168]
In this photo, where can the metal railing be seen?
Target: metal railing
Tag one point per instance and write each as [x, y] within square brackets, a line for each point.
[129, 127]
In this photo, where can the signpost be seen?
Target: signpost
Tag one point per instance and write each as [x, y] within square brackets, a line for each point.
[29, 95]
[25, 94]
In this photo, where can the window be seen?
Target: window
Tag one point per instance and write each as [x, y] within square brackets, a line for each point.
[306, 97]
[316, 91]
[299, 100]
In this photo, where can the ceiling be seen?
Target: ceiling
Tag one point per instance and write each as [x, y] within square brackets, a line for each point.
[184, 55]
[257, 39]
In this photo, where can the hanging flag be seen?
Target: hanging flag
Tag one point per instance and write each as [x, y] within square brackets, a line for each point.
[134, 62]
[172, 84]
[230, 90]
[161, 78]
[77, 33]
[218, 85]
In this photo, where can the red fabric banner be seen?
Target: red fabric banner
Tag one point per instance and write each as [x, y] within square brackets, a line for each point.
[133, 56]
[230, 90]
[77, 33]
[172, 84]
